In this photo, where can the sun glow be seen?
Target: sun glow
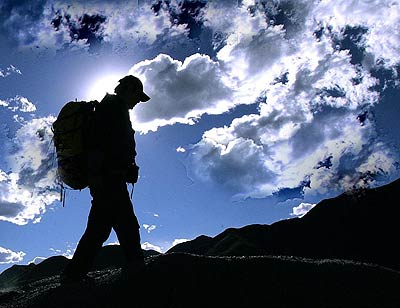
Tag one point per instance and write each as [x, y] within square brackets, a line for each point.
[103, 85]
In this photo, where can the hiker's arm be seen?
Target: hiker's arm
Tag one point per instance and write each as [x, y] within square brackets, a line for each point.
[133, 174]
[121, 147]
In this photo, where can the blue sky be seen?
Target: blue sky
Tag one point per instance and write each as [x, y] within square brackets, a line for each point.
[259, 110]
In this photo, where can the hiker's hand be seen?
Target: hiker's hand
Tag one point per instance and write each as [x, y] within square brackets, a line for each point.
[133, 174]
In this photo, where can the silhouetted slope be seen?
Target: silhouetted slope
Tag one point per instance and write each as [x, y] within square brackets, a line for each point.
[19, 275]
[200, 245]
[184, 280]
[110, 256]
[360, 225]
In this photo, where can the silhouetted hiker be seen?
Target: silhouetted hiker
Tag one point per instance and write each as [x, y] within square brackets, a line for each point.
[111, 165]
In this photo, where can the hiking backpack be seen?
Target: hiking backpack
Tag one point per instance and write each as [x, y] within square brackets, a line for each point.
[70, 134]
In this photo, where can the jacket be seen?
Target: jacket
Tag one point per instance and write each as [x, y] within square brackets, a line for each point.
[111, 142]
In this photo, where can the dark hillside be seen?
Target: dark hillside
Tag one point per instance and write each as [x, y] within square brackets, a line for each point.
[360, 225]
[18, 275]
[184, 280]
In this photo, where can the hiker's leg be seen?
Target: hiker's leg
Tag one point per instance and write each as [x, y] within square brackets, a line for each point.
[126, 225]
[97, 232]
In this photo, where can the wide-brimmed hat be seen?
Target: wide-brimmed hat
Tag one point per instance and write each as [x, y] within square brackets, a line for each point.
[135, 82]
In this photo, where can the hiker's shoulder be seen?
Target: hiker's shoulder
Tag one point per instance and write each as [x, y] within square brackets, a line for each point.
[110, 103]
[111, 99]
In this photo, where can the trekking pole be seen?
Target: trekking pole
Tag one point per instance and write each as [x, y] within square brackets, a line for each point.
[64, 198]
[132, 190]
[62, 195]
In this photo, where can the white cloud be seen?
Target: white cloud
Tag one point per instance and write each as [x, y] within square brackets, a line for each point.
[54, 25]
[149, 246]
[179, 241]
[234, 162]
[18, 103]
[141, 26]
[66, 252]
[37, 260]
[128, 25]
[29, 186]
[9, 256]
[380, 17]
[168, 244]
[9, 70]
[180, 92]
[313, 95]
[309, 92]
[302, 209]
[149, 228]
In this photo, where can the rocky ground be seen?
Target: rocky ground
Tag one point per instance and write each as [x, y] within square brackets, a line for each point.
[187, 280]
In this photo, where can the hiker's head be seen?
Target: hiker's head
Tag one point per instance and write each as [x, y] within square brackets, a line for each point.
[130, 88]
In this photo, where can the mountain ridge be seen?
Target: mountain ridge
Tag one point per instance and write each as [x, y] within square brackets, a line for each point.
[358, 225]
